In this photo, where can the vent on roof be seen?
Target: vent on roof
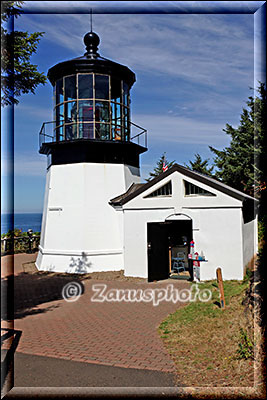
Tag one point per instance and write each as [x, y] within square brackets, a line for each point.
[165, 190]
[191, 189]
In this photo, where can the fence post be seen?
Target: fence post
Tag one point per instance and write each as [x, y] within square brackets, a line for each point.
[30, 235]
[220, 283]
[5, 243]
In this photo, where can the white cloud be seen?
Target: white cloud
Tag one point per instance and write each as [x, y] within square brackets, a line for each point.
[41, 113]
[209, 49]
[179, 130]
[29, 165]
[24, 165]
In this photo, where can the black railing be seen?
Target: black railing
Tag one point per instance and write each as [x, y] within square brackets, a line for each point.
[43, 135]
[48, 134]
[139, 136]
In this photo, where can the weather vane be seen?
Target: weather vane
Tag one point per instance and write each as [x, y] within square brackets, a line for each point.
[91, 19]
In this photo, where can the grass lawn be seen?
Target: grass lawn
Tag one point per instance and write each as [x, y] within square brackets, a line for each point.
[210, 346]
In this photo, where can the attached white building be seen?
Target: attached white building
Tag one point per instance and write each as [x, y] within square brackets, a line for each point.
[180, 204]
[98, 216]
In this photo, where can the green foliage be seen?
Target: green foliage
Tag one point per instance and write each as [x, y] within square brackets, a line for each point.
[18, 242]
[261, 231]
[159, 167]
[18, 75]
[13, 233]
[197, 310]
[241, 165]
[248, 275]
[10, 8]
[245, 346]
[200, 165]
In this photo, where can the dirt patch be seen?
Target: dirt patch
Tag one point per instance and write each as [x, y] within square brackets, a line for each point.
[30, 268]
[114, 276]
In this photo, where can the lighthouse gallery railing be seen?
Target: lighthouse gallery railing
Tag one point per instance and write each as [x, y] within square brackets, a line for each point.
[47, 134]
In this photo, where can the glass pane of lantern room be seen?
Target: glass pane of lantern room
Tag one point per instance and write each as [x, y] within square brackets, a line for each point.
[59, 114]
[70, 88]
[86, 130]
[118, 128]
[102, 87]
[59, 91]
[86, 110]
[102, 131]
[85, 86]
[70, 131]
[125, 94]
[71, 112]
[102, 111]
[126, 123]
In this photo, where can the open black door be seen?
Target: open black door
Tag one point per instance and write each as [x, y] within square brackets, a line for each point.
[158, 258]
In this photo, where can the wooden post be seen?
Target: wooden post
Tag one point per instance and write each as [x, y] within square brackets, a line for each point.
[220, 283]
[170, 259]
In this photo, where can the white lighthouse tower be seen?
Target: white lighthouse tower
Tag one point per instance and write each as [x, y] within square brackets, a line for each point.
[91, 159]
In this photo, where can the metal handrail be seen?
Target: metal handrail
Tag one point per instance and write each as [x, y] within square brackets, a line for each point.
[43, 134]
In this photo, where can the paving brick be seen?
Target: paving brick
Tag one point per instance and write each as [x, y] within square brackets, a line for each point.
[121, 334]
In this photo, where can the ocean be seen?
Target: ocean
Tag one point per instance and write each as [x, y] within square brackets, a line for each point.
[21, 221]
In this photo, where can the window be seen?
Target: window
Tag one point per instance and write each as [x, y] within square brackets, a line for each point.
[163, 191]
[191, 189]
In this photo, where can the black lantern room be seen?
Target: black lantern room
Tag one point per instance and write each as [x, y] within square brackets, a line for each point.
[92, 120]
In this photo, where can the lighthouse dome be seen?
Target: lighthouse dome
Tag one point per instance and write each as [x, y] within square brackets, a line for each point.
[92, 105]
[91, 61]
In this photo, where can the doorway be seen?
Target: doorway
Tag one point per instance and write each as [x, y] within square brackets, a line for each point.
[166, 240]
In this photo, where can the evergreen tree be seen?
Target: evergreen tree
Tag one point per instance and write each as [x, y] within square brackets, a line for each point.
[241, 165]
[18, 75]
[159, 167]
[200, 165]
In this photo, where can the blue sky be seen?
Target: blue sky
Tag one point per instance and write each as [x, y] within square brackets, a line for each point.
[193, 74]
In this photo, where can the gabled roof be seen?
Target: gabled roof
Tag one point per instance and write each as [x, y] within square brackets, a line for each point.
[132, 189]
[137, 189]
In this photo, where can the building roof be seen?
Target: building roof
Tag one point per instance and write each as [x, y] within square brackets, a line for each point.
[136, 189]
[132, 189]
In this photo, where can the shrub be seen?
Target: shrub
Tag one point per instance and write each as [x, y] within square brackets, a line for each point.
[245, 346]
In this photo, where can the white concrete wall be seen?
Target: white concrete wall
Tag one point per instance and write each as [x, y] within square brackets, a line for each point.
[217, 232]
[250, 241]
[79, 226]
[217, 228]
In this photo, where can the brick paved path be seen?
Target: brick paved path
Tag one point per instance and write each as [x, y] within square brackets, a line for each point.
[9, 262]
[120, 334]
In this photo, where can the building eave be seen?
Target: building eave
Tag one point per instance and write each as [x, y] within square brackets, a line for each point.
[213, 183]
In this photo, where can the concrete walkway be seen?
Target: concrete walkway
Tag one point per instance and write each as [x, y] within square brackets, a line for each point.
[38, 371]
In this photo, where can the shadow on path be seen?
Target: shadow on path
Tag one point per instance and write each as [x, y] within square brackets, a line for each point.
[22, 294]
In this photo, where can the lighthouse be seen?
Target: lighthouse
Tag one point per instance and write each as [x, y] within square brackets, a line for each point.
[92, 157]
